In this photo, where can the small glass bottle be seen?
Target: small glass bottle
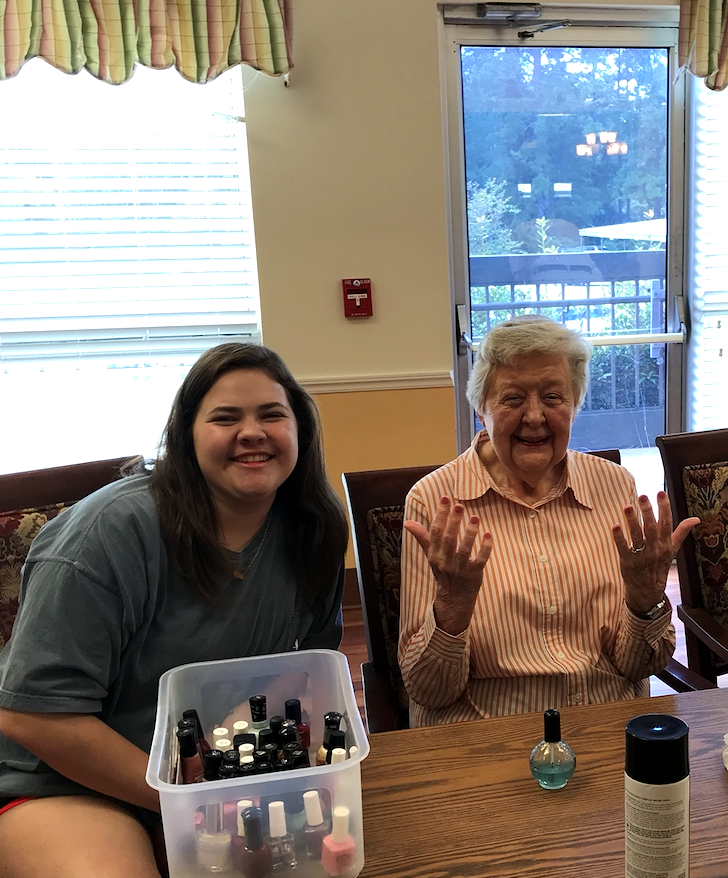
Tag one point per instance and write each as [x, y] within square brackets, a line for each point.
[315, 829]
[258, 712]
[552, 761]
[280, 842]
[332, 720]
[255, 856]
[293, 711]
[214, 844]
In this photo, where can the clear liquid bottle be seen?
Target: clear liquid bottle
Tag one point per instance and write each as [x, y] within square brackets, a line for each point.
[552, 760]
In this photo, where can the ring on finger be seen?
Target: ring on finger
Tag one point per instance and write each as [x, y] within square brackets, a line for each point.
[636, 549]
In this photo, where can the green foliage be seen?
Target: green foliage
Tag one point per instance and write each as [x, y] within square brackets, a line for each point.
[488, 208]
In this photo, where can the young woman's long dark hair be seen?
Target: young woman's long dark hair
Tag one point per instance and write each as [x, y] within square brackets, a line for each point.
[315, 519]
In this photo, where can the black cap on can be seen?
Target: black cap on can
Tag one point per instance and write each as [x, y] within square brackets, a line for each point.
[657, 749]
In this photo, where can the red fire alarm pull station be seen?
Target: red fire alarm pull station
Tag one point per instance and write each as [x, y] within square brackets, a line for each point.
[357, 297]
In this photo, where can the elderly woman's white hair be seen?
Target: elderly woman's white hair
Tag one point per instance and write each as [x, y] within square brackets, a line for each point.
[521, 337]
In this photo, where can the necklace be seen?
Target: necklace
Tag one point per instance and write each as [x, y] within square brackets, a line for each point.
[239, 574]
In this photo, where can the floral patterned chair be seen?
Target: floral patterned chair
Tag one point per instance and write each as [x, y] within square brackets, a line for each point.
[696, 474]
[28, 500]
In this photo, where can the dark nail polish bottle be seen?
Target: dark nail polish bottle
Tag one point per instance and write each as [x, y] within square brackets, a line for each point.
[213, 761]
[332, 720]
[258, 712]
[189, 756]
[293, 711]
[255, 857]
[202, 742]
[316, 829]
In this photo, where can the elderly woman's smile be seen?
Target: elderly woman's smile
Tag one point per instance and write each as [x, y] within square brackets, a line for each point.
[527, 413]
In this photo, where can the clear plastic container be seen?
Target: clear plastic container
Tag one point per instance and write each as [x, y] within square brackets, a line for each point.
[196, 816]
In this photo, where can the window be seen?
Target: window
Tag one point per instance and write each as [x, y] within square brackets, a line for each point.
[126, 249]
[566, 197]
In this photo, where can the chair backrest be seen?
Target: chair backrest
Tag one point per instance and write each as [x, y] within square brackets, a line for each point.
[376, 508]
[27, 501]
[375, 499]
[696, 476]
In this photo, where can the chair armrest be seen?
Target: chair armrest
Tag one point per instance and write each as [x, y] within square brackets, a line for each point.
[682, 679]
[706, 629]
[377, 700]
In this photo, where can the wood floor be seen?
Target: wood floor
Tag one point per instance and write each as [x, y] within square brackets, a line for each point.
[354, 643]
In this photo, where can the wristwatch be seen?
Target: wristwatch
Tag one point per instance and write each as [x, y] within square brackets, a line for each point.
[656, 611]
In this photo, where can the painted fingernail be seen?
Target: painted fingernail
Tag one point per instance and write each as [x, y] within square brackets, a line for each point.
[474, 519]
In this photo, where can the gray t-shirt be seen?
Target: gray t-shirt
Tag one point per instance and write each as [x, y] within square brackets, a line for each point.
[104, 613]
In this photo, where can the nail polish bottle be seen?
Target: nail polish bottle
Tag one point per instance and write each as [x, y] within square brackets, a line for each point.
[214, 844]
[337, 741]
[239, 833]
[220, 732]
[288, 732]
[280, 842]
[266, 736]
[255, 855]
[293, 711]
[275, 725]
[332, 720]
[315, 829]
[202, 742]
[189, 757]
[657, 796]
[552, 760]
[258, 712]
[212, 763]
[338, 850]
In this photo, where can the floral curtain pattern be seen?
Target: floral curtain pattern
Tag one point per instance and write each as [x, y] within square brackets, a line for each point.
[201, 38]
[703, 41]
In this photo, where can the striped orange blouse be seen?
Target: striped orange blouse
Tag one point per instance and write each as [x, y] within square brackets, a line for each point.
[550, 626]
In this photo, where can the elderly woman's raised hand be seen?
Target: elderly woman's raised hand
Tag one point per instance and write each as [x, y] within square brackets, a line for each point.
[458, 576]
[646, 557]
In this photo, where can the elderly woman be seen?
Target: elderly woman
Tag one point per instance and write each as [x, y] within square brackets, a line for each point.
[521, 589]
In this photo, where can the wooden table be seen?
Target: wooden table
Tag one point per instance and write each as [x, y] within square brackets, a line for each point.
[459, 800]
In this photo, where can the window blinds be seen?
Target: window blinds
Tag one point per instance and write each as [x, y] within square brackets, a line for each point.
[708, 264]
[125, 221]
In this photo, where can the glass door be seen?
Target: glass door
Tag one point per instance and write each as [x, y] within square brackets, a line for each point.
[564, 165]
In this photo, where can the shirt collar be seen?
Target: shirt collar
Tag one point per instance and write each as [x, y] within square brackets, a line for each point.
[472, 479]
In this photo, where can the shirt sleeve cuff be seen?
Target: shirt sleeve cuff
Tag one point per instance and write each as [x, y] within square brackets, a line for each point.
[448, 647]
[650, 630]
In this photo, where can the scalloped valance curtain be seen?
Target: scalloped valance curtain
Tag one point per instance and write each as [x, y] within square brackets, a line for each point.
[703, 41]
[201, 38]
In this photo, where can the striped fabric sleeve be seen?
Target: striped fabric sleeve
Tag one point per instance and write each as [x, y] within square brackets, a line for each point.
[435, 665]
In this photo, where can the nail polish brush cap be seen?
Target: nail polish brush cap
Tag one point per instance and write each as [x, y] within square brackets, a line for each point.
[337, 738]
[223, 744]
[212, 763]
[275, 724]
[240, 727]
[338, 754]
[252, 828]
[194, 716]
[657, 749]
[187, 742]
[277, 819]
[240, 807]
[293, 709]
[312, 804]
[245, 750]
[266, 736]
[220, 732]
[258, 708]
[552, 726]
[340, 826]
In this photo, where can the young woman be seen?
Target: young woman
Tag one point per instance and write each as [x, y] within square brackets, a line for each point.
[232, 545]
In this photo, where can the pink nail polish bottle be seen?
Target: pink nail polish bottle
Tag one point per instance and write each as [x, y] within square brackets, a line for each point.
[338, 850]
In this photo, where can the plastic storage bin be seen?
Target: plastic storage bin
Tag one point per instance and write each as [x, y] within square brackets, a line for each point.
[321, 680]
